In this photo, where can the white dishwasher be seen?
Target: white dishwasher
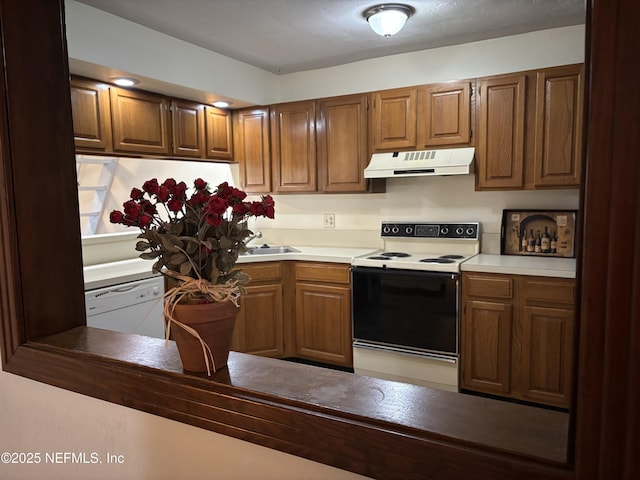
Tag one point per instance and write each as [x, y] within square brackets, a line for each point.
[133, 307]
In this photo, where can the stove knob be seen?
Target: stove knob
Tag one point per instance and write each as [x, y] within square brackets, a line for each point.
[408, 230]
[444, 230]
[386, 229]
[459, 231]
[470, 231]
[395, 230]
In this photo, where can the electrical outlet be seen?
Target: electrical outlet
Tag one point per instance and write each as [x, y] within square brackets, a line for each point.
[329, 220]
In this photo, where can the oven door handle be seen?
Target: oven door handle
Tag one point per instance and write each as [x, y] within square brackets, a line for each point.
[375, 346]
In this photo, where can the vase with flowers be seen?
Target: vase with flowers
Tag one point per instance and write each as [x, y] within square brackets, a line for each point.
[195, 241]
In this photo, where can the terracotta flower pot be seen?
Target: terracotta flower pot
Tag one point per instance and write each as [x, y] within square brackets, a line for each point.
[214, 322]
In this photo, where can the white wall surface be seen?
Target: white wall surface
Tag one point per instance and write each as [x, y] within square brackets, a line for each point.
[38, 418]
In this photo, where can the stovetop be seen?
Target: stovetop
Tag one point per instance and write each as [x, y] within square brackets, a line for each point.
[427, 246]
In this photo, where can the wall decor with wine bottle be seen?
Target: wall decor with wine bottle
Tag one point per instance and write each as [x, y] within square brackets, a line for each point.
[538, 233]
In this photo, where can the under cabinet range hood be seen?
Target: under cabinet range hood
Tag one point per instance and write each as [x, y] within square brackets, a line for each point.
[420, 163]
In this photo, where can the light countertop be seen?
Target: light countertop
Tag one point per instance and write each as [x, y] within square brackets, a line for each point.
[112, 273]
[521, 265]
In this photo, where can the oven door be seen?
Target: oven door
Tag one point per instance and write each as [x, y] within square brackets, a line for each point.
[405, 310]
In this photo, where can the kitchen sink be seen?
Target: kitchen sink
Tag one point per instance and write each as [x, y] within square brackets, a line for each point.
[270, 249]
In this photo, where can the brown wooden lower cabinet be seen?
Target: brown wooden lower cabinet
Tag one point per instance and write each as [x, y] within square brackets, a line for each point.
[323, 313]
[260, 322]
[300, 309]
[517, 336]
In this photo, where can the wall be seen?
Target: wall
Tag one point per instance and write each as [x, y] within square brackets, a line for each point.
[46, 419]
[38, 418]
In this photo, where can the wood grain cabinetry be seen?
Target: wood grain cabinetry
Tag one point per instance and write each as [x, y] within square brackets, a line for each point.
[415, 118]
[187, 122]
[517, 336]
[108, 119]
[558, 126]
[140, 122]
[394, 114]
[218, 133]
[91, 115]
[342, 143]
[260, 322]
[323, 313]
[251, 145]
[530, 129]
[293, 147]
[501, 124]
[444, 114]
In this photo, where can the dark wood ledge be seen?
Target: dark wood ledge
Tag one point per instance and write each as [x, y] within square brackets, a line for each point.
[128, 368]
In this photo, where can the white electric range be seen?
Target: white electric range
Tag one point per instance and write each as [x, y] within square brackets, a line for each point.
[406, 302]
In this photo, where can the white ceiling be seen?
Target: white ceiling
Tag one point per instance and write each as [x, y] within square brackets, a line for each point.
[285, 36]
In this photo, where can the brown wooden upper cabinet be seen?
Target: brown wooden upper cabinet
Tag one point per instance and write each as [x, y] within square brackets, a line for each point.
[251, 145]
[394, 114]
[108, 119]
[415, 118]
[530, 129]
[558, 127]
[140, 122]
[91, 115]
[219, 138]
[444, 114]
[501, 127]
[187, 122]
[342, 141]
[293, 147]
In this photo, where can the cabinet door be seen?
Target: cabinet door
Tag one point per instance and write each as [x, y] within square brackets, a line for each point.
[558, 130]
[486, 346]
[251, 146]
[91, 115]
[323, 323]
[394, 119]
[187, 121]
[140, 123]
[500, 152]
[444, 114]
[219, 140]
[547, 346]
[259, 325]
[342, 144]
[293, 143]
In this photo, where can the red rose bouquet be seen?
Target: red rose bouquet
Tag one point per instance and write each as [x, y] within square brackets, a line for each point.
[194, 239]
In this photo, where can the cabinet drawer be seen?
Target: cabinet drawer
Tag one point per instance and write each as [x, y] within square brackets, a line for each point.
[322, 272]
[493, 286]
[260, 272]
[550, 290]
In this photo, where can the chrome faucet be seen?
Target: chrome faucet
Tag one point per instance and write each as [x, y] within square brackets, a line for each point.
[252, 236]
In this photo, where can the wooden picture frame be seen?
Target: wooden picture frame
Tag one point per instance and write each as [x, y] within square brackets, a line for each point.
[523, 232]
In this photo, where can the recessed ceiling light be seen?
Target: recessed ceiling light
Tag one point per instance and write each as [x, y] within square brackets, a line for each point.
[221, 104]
[124, 81]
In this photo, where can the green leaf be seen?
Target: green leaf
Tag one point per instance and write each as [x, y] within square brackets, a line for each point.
[150, 255]
[141, 246]
[185, 268]
[177, 258]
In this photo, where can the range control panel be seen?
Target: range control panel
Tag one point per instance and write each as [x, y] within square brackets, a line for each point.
[445, 230]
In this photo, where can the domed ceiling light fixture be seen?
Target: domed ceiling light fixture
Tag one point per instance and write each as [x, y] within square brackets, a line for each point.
[388, 18]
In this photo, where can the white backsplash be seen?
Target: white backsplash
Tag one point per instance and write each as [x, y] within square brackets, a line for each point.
[299, 218]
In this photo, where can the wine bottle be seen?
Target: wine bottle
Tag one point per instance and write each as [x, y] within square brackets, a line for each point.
[545, 242]
[531, 242]
[538, 244]
[523, 241]
[553, 245]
